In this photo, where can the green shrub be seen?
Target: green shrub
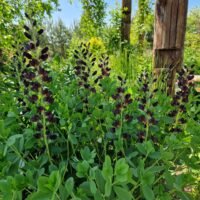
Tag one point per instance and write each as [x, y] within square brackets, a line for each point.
[100, 137]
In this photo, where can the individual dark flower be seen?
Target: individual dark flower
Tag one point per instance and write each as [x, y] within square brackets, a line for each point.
[27, 55]
[33, 98]
[93, 60]
[119, 105]
[128, 101]
[46, 92]
[101, 107]
[174, 103]
[52, 136]
[25, 91]
[49, 99]
[149, 113]
[34, 22]
[156, 90]
[173, 113]
[39, 126]
[190, 77]
[116, 111]
[26, 83]
[35, 118]
[86, 86]
[31, 45]
[142, 119]
[26, 28]
[27, 35]
[177, 130]
[182, 108]
[128, 118]
[96, 80]
[78, 72]
[45, 50]
[37, 135]
[46, 78]
[126, 136]
[113, 130]
[44, 57]
[30, 75]
[105, 72]
[117, 96]
[100, 65]
[119, 78]
[51, 118]
[35, 86]
[85, 100]
[34, 62]
[40, 31]
[108, 69]
[42, 71]
[182, 121]
[185, 99]
[153, 121]
[155, 104]
[141, 136]
[81, 62]
[141, 107]
[38, 43]
[144, 100]
[121, 90]
[27, 16]
[40, 109]
[93, 90]
[116, 123]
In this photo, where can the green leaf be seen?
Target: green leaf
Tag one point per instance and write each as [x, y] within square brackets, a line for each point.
[121, 171]
[98, 196]
[141, 148]
[87, 155]
[93, 187]
[148, 192]
[108, 188]
[69, 185]
[47, 187]
[82, 169]
[167, 155]
[11, 141]
[4, 131]
[40, 195]
[148, 178]
[149, 147]
[122, 194]
[99, 180]
[107, 171]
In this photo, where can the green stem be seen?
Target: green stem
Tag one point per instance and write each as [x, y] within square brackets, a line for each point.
[147, 131]
[45, 137]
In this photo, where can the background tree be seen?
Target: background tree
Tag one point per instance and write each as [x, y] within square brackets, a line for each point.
[142, 24]
[192, 42]
[126, 20]
[92, 19]
[58, 37]
[12, 15]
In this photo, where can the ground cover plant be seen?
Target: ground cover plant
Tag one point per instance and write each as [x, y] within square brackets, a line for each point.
[85, 133]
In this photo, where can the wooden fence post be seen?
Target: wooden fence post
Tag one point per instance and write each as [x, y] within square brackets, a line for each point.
[169, 36]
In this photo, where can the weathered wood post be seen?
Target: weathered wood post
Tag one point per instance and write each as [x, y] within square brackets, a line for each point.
[126, 20]
[169, 36]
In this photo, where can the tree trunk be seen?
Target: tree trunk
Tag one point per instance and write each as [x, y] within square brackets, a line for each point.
[141, 21]
[169, 35]
[126, 20]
